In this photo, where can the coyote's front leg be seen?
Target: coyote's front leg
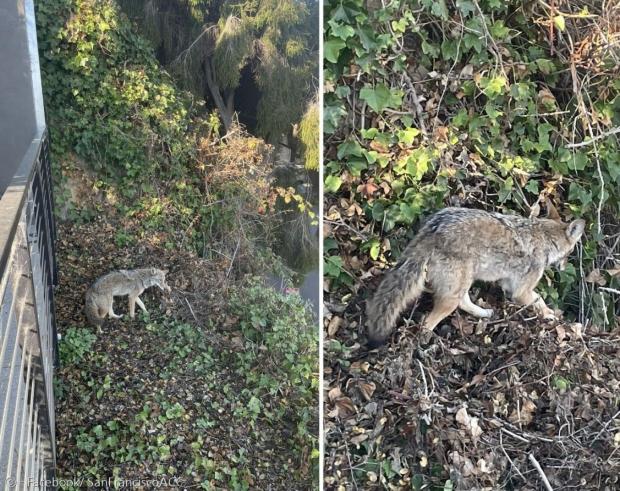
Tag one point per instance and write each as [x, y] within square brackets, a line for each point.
[471, 308]
[133, 300]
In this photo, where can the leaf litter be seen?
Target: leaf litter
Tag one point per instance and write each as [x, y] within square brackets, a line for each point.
[152, 399]
[474, 406]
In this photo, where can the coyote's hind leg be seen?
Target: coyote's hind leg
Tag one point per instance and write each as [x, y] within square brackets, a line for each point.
[111, 310]
[530, 297]
[443, 306]
[449, 287]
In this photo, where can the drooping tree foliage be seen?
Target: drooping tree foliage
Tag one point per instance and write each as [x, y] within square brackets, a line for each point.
[208, 44]
[309, 136]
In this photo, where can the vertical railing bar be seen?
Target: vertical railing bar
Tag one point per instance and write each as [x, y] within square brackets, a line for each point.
[43, 327]
[16, 414]
[20, 455]
[14, 298]
[37, 463]
[7, 398]
[31, 427]
[33, 448]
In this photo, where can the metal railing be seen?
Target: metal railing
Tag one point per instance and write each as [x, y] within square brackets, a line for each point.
[28, 348]
[28, 339]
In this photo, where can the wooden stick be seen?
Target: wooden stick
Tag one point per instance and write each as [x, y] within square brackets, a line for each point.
[596, 138]
[540, 471]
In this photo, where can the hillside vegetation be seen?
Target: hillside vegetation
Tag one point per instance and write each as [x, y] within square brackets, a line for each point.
[498, 105]
[217, 386]
[214, 48]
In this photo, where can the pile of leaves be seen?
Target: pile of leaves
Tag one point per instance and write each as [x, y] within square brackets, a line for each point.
[480, 407]
[483, 104]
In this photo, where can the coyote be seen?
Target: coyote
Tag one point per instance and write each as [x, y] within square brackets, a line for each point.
[457, 246]
[100, 296]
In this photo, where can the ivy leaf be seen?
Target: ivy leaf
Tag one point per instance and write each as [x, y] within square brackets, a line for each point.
[332, 114]
[545, 66]
[341, 31]
[559, 22]
[407, 135]
[466, 6]
[399, 25]
[499, 30]
[332, 184]
[439, 9]
[380, 97]
[349, 148]
[369, 133]
[332, 49]
[495, 87]
[367, 37]
[333, 266]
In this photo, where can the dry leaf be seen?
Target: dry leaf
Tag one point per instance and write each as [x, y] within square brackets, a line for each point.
[367, 189]
[334, 394]
[595, 276]
[334, 325]
[469, 423]
[345, 407]
[367, 389]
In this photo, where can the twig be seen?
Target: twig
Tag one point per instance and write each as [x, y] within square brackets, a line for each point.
[540, 471]
[232, 261]
[610, 290]
[514, 435]
[416, 103]
[186, 51]
[501, 445]
[190, 309]
[342, 223]
[591, 140]
[423, 378]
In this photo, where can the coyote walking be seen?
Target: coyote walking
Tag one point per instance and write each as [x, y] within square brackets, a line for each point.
[100, 296]
[458, 246]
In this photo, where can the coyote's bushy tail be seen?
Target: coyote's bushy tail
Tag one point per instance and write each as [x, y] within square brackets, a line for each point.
[92, 310]
[400, 286]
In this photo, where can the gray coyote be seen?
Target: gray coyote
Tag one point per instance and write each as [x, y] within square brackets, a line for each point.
[457, 246]
[100, 296]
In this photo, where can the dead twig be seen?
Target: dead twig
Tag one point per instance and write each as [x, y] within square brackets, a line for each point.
[591, 140]
[540, 471]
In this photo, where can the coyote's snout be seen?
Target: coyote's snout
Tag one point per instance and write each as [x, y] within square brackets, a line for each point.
[458, 246]
[100, 296]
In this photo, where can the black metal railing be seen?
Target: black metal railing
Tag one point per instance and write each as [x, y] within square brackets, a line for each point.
[28, 339]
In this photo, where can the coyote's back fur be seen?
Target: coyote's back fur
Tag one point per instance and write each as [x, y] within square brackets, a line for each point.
[100, 296]
[457, 246]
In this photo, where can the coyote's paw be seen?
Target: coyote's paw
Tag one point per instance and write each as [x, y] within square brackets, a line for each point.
[425, 336]
[486, 313]
[549, 316]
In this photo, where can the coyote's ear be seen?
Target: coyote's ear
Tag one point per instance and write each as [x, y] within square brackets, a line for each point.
[552, 213]
[575, 229]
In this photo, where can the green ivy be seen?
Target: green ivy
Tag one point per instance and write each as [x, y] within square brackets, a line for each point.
[494, 116]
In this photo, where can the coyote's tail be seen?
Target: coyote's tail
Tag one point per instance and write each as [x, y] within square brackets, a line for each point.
[92, 310]
[399, 287]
